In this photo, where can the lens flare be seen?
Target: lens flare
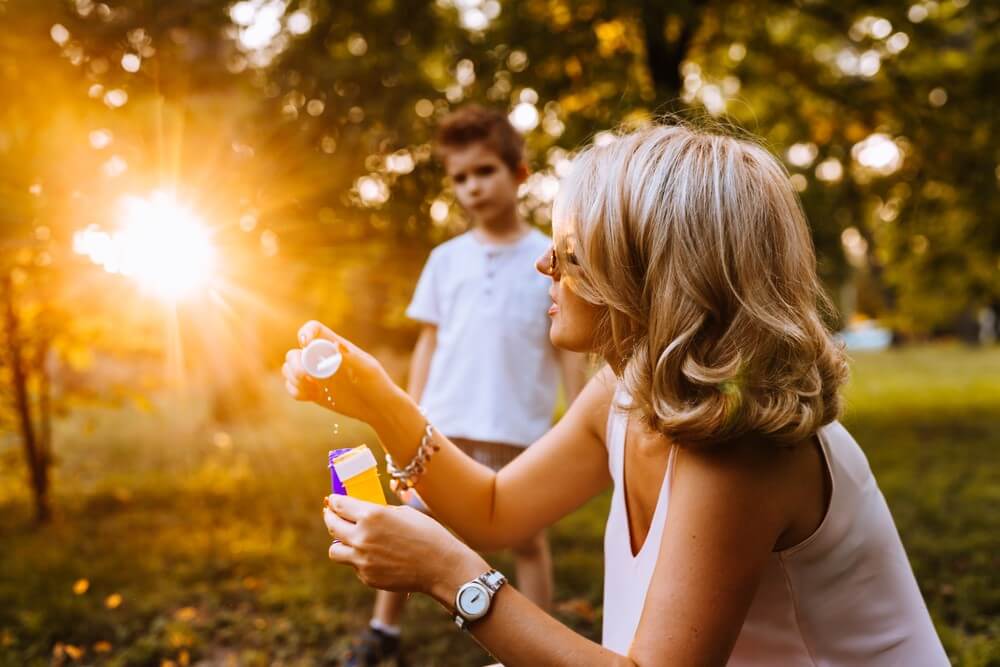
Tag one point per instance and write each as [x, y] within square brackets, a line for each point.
[159, 243]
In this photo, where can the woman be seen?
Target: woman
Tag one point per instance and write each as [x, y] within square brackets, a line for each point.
[745, 526]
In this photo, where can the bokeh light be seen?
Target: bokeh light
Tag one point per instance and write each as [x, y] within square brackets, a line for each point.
[878, 153]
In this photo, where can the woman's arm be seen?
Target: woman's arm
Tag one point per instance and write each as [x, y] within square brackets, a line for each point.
[562, 470]
[725, 516]
[566, 467]
[727, 511]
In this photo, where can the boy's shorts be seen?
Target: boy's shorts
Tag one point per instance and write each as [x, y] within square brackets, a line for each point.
[493, 455]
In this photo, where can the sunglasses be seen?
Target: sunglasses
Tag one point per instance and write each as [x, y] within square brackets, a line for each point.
[554, 260]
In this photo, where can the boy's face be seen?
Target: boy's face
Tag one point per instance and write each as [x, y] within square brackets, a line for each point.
[484, 184]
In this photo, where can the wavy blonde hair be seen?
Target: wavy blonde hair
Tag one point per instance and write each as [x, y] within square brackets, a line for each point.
[697, 248]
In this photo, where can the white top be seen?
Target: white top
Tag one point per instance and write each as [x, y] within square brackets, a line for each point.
[494, 373]
[846, 595]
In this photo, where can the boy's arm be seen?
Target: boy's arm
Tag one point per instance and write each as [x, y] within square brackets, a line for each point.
[420, 363]
[573, 368]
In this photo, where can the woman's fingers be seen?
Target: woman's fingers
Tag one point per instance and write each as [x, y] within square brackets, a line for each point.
[313, 329]
[293, 361]
[342, 552]
[338, 527]
[351, 509]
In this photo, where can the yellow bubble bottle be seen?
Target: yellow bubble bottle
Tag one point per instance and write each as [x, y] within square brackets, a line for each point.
[358, 472]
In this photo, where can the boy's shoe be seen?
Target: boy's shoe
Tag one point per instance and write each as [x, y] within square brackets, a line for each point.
[373, 648]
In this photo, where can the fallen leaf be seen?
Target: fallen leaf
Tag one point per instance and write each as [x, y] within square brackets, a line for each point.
[186, 613]
[80, 586]
[113, 601]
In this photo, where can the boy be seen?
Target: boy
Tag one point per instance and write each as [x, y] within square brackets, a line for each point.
[483, 368]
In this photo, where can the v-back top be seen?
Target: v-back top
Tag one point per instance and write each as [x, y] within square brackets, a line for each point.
[846, 595]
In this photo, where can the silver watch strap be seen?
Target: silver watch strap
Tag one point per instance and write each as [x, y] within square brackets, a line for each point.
[493, 580]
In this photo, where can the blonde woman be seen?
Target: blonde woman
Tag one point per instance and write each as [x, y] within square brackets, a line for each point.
[745, 525]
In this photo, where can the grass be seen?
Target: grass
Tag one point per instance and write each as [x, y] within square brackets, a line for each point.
[181, 541]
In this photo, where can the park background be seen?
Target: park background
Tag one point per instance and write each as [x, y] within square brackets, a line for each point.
[183, 183]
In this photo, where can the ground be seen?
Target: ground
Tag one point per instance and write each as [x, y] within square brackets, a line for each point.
[179, 540]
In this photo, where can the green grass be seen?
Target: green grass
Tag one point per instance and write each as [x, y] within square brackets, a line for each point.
[212, 536]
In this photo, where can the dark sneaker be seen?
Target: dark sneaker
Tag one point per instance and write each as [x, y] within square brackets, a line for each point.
[373, 648]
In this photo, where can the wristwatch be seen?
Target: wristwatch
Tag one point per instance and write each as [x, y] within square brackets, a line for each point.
[473, 599]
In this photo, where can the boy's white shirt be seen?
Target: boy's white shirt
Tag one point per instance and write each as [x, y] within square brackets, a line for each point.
[494, 373]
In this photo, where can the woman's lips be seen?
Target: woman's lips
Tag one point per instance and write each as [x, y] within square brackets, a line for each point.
[553, 309]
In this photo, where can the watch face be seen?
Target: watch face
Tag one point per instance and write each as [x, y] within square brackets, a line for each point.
[474, 601]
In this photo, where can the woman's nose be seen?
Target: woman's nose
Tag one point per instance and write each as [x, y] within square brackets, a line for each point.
[544, 264]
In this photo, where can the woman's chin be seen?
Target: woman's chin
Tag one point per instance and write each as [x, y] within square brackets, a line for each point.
[561, 339]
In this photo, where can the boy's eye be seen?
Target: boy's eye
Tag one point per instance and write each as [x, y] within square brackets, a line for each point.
[460, 178]
[485, 171]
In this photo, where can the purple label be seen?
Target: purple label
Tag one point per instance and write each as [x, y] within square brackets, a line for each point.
[335, 484]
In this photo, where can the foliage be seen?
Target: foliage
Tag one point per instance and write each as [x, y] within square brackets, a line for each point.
[211, 535]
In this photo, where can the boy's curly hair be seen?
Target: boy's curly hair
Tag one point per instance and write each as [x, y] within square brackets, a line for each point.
[473, 123]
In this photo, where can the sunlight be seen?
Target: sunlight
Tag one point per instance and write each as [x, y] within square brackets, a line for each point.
[159, 243]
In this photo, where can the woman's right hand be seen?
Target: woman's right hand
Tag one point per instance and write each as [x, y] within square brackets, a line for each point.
[355, 390]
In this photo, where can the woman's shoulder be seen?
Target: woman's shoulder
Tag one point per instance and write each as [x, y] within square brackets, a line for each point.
[594, 402]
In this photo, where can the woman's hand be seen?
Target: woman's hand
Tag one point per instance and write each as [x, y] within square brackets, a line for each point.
[355, 389]
[397, 548]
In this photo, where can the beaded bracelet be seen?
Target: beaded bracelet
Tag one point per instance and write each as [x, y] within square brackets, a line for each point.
[406, 477]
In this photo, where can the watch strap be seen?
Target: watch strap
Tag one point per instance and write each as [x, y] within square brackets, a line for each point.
[493, 580]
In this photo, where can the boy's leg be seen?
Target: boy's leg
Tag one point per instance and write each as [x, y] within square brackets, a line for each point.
[388, 610]
[378, 644]
[533, 562]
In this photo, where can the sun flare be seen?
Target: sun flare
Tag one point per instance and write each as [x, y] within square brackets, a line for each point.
[159, 243]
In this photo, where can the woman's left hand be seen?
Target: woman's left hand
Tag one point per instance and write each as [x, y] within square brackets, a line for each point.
[397, 548]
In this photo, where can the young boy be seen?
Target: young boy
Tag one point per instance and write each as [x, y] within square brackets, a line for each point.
[483, 368]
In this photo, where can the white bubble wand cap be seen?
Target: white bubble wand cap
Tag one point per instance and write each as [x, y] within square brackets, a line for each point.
[321, 358]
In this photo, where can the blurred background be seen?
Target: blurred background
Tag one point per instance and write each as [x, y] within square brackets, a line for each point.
[183, 183]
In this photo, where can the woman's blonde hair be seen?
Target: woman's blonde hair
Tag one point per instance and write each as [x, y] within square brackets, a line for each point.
[698, 249]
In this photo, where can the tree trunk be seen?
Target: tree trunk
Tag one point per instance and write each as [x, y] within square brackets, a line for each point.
[664, 56]
[34, 452]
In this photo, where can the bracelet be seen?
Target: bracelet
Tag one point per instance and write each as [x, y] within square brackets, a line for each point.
[406, 477]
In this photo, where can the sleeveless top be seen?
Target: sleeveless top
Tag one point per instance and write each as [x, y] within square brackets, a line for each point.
[846, 595]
